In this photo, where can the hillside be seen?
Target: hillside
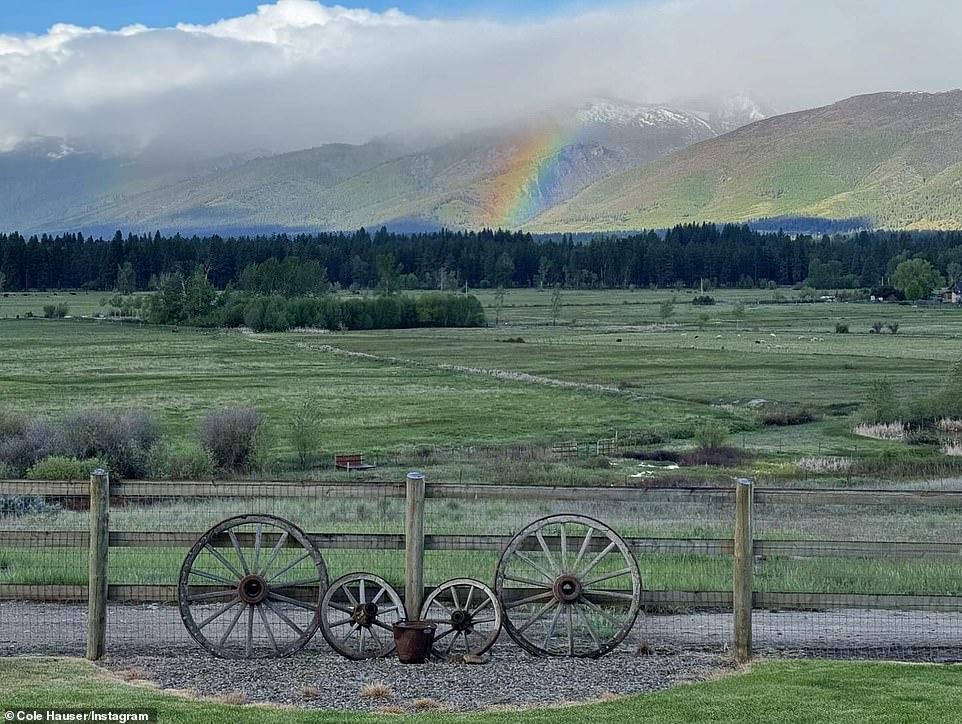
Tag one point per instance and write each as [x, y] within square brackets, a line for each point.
[497, 177]
[892, 159]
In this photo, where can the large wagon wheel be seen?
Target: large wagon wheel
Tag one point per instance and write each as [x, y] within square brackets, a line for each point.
[569, 586]
[358, 614]
[251, 587]
[468, 616]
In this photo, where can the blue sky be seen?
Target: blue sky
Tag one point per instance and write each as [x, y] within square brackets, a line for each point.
[36, 16]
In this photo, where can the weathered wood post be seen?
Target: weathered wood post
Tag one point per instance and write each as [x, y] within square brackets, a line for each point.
[742, 598]
[414, 545]
[97, 560]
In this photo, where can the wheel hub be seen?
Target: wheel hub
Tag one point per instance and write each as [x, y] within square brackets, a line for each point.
[252, 589]
[461, 620]
[567, 588]
[364, 614]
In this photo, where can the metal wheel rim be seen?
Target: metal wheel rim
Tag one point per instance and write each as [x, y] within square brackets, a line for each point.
[569, 586]
[468, 616]
[347, 623]
[251, 587]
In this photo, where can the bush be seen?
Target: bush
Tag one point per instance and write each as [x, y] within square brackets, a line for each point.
[35, 441]
[55, 311]
[305, 427]
[230, 436]
[122, 439]
[710, 434]
[12, 422]
[784, 416]
[187, 462]
[58, 467]
[841, 328]
[703, 300]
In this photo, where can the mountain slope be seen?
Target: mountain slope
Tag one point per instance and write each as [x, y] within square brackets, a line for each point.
[893, 159]
[498, 177]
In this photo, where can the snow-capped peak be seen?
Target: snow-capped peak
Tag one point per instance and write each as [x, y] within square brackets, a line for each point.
[623, 113]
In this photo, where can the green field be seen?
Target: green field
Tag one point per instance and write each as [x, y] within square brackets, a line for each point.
[613, 364]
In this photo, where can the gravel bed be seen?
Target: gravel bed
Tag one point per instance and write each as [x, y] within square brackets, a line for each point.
[149, 641]
[511, 678]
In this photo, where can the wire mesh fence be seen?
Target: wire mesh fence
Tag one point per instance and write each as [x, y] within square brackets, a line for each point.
[859, 574]
[835, 574]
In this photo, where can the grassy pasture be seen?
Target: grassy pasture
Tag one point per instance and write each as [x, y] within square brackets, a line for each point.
[612, 364]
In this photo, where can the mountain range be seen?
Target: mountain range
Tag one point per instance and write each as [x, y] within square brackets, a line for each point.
[883, 160]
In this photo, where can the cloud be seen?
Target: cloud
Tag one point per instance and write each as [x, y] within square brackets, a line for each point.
[298, 73]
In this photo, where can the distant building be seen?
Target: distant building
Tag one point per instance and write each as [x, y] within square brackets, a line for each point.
[953, 294]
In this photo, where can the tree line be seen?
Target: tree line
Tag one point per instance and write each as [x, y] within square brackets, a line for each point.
[309, 264]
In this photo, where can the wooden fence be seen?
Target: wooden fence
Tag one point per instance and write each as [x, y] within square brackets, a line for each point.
[744, 549]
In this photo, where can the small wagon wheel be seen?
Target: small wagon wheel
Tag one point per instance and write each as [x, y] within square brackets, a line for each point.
[569, 586]
[358, 613]
[251, 587]
[468, 616]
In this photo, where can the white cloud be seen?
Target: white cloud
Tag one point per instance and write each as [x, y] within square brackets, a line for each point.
[298, 73]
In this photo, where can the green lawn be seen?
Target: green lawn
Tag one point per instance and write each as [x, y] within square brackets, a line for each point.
[787, 692]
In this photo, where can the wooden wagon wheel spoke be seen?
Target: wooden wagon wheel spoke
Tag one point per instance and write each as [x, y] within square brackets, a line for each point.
[371, 605]
[212, 595]
[275, 551]
[220, 612]
[283, 617]
[529, 599]
[233, 559]
[561, 615]
[215, 578]
[230, 628]
[450, 607]
[238, 551]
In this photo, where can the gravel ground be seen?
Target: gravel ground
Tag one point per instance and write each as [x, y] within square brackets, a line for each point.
[510, 678]
[150, 642]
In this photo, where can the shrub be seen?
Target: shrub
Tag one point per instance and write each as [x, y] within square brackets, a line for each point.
[122, 439]
[186, 462]
[710, 434]
[922, 437]
[34, 442]
[55, 311]
[12, 422]
[703, 300]
[230, 436]
[305, 427]
[882, 405]
[783, 416]
[58, 467]
[877, 326]
[841, 328]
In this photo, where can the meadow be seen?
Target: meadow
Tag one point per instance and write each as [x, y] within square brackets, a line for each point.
[604, 363]
[486, 405]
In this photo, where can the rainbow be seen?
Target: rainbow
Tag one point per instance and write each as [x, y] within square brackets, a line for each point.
[519, 190]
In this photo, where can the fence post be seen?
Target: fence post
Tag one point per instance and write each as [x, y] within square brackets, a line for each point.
[742, 593]
[97, 560]
[414, 545]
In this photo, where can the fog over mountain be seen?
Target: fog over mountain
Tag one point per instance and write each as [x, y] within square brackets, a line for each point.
[297, 74]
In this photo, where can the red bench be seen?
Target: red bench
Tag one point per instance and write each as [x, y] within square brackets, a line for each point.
[351, 461]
